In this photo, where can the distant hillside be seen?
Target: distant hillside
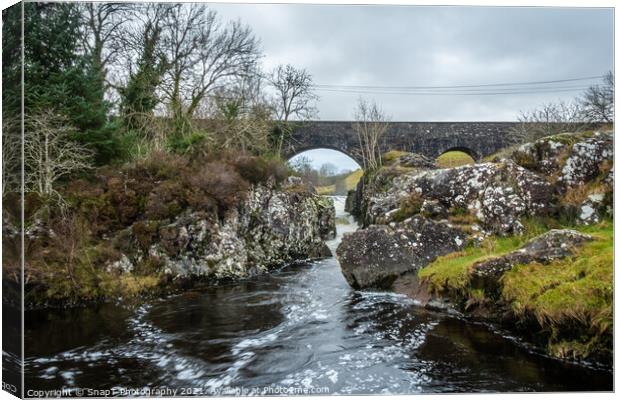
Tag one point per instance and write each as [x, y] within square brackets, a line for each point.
[341, 184]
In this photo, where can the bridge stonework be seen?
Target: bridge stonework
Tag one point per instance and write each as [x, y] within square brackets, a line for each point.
[478, 139]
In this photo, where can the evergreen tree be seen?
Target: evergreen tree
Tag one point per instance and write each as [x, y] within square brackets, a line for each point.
[58, 76]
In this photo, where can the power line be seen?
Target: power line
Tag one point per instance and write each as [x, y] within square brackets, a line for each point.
[548, 82]
[435, 93]
[480, 90]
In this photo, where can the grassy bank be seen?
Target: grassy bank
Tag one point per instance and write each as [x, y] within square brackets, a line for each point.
[451, 159]
[570, 299]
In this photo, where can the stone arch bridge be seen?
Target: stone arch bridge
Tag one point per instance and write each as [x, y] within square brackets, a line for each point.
[478, 139]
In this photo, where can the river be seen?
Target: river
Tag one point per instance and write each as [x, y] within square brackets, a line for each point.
[301, 329]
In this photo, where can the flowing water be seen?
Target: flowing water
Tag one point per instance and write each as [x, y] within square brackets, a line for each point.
[300, 330]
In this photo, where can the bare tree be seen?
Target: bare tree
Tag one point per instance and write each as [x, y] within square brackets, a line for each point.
[239, 116]
[598, 101]
[328, 169]
[11, 154]
[294, 92]
[102, 34]
[294, 97]
[371, 125]
[303, 166]
[203, 55]
[548, 119]
[50, 154]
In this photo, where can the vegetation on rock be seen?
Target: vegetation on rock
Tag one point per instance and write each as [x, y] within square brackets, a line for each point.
[525, 262]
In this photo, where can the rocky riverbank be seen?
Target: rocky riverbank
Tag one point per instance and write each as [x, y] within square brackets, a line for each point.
[161, 225]
[523, 240]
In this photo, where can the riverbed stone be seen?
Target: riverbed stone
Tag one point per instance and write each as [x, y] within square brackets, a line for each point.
[374, 257]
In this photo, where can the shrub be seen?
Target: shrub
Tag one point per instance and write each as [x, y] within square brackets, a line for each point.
[409, 206]
[258, 170]
[194, 144]
[159, 165]
[222, 183]
[166, 200]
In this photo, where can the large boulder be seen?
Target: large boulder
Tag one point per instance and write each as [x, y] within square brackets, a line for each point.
[374, 257]
[552, 245]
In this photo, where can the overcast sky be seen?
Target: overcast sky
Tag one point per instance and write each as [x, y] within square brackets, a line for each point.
[433, 46]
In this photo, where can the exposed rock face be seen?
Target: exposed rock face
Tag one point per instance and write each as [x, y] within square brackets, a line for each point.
[530, 181]
[586, 159]
[498, 195]
[557, 243]
[542, 178]
[269, 229]
[376, 256]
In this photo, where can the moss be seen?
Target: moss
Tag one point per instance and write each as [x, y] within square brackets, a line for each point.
[525, 159]
[451, 159]
[577, 287]
[150, 266]
[450, 274]
[571, 299]
[389, 157]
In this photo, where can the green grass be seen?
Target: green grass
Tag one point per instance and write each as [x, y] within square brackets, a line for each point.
[352, 179]
[451, 159]
[571, 298]
[579, 287]
[450, 273]
[326, 190]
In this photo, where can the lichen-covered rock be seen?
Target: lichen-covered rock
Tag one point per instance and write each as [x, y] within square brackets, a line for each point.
[327, 217]
[296, 183]
[586, 159]
[554, 244]
[268, 229]
[415, 160]
[544, 155]
[592, 209]
[434, 209]
[377, 255]
[498, 195]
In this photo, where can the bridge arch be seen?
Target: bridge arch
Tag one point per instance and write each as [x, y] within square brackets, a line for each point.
[293, 152]
[463, 149]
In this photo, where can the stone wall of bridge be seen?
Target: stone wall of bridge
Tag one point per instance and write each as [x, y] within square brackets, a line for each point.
[478, 139]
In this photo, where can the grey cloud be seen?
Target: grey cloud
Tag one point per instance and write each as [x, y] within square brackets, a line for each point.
[399, 45]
